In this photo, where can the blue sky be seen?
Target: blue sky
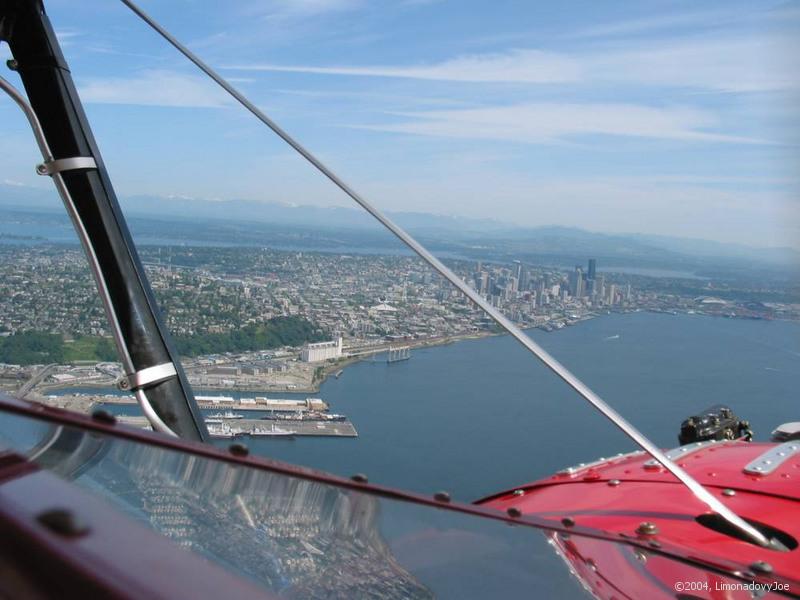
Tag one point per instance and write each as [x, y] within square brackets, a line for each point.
[675, 118]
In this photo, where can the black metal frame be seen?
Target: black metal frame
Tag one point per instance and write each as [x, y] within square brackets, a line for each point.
[52, 94]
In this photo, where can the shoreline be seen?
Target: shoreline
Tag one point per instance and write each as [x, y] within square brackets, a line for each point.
[346, 361]
[342, 364]
[327, 371]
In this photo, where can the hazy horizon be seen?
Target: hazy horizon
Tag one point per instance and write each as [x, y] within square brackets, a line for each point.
[668, 119]
[441, 230]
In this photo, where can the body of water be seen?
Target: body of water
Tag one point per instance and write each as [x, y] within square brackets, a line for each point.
[651, 272]
[483, 415]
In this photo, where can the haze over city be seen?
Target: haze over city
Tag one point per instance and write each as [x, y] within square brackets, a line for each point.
[669, 119]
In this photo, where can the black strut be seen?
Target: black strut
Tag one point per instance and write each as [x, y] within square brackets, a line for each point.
[118, 269]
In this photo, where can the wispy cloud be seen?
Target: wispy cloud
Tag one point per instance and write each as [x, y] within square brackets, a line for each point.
[103, 47]
[548, 122]
[741, 64]
[287, 9]
[66, 36]
[519, 66]
[154, 88]
[702, 19]
[376, 100]
[745, 64]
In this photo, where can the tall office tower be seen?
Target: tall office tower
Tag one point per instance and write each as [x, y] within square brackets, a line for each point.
[612, 294]
[576, 282]
[518, 269]
[628, 293]
[592, 269]
[484, 282]
[481, 281]
[541, 288]
[600, 287]
[493, 286]
[513, 284]
[524, 279]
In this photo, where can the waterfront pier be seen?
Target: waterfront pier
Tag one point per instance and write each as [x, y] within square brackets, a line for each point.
[305, 428]
[244, 427]
[396, 354]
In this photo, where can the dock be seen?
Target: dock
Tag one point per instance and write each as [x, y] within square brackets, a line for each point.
[397, 354]
[305, 428]
[301, 428]
[261, 403]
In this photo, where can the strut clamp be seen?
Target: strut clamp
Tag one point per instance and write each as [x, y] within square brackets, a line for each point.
[51, 167]
[147, 377]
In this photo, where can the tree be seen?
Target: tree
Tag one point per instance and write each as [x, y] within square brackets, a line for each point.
[277, 332]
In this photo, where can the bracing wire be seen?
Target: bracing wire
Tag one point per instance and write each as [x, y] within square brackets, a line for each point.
[554, 365]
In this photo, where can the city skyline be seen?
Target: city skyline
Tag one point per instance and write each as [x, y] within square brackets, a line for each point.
[207, 292]
[669, 120]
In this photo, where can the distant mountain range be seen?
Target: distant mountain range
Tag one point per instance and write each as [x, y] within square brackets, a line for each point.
[261, 223]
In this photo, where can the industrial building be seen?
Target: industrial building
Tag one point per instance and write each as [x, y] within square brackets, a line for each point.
[322, 351]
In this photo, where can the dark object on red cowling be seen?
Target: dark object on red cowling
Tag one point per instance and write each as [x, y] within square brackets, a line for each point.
[715, 423]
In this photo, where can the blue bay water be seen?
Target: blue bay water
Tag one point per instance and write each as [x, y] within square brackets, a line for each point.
[479, 416]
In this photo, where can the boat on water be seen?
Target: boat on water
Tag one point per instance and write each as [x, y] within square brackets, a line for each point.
[304, 416]
[225, 415]
[276, 432]
[223, 430]
[332, 417]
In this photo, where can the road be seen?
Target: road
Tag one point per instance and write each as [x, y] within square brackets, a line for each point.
[35, 380]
